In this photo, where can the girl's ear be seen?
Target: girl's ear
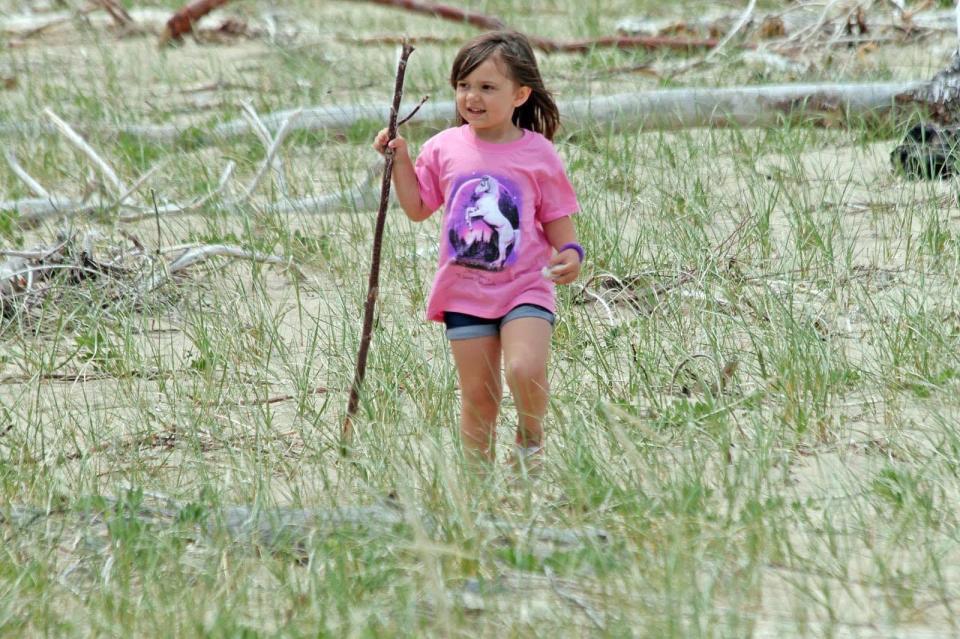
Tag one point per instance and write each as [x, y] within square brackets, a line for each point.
[521, 95]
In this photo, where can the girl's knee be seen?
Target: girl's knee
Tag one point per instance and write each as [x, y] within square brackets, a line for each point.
[481, 396]
[526, 372]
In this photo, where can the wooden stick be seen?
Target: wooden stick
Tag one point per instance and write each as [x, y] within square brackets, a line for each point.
[373, 284]
[27, 179]
[744, 18]
[80, 143]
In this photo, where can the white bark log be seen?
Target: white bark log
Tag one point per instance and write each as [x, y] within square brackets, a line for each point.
[667, 109]
[749, 106]
[21, 25]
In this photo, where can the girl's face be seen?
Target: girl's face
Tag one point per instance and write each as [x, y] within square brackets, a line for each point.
[486, 99]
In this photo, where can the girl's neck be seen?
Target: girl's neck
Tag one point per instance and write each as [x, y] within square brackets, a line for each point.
[510, 132]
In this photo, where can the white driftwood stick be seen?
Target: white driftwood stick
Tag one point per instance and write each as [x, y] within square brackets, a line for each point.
[35, 210]
[138, 183]
[744, 18]
[81, 144]
[265, 138]
[200, 253]
[177, 209]
[21, 173]
[285, 128]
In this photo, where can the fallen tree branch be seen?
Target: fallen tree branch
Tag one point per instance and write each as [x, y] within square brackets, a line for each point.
[177, 209]
[105, 169]
[120, 15]
[748, 12]
[29, 25]
[664, 109]
[268, 160]
[182, 21]
[32, 211]
[651, 43]
[124, 272]
[446, 12]
[940, 96]
[204, 252]
[276, 399]
[25, 177]
[548, 45]
[267, 140]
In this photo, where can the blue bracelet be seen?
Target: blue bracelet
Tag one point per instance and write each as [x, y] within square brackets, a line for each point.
[576, 247]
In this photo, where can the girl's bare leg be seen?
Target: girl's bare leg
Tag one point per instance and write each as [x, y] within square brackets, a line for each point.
[478, 367]
[526, 350]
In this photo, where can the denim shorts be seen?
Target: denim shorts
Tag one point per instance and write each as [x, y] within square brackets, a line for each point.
[463, 326]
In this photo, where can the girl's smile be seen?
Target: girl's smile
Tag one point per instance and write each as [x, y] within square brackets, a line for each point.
[486, 98]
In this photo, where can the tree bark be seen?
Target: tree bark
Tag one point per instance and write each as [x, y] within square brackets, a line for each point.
[182, 21]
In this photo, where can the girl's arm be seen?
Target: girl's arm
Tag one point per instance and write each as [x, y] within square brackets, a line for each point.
[405, 181]
[564, 266]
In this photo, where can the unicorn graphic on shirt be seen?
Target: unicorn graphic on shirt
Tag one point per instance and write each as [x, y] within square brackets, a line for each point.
[489, 231]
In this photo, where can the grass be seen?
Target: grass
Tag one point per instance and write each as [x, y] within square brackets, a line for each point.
[811, 496]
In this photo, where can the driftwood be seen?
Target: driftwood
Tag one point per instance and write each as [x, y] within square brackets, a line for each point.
[941, 96]
[182, 21]
[29, 25]
[651, 43]
[279, 528]
[47, 206]
[373, 282]
[666, 109]
[446, 12]
[549, 45]
[744, 18]
[121, 271]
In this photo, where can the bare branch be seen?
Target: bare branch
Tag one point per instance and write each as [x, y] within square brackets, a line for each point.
[81, 144]
[268, 160]
[267, 140]
[200, 253]
[177, 209]
[21, 173]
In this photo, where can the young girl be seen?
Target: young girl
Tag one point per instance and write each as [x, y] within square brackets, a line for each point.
[507, 234]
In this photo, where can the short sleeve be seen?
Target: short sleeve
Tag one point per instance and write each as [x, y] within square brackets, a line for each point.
[427, 168]
[557, 197]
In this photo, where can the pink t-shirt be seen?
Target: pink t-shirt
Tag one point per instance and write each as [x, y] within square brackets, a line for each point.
[497, 198]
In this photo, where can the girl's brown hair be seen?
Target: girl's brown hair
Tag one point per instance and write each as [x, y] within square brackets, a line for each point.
[539, 113]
